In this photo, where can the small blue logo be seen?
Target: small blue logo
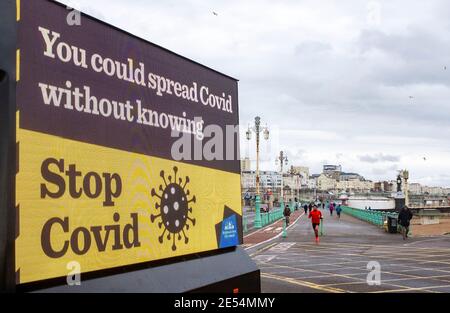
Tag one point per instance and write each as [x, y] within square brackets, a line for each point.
[229, 235]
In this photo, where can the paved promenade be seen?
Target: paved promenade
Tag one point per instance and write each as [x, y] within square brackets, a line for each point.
[339, 262]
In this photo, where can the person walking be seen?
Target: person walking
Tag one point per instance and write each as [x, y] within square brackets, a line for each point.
[316, 216]
[331, 208]
[305, 207]
[310, 207]
[287, 214]
[404, 218]
[338, 211]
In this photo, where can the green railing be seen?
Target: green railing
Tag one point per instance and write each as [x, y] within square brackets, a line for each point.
[271, 216]
[374, 217]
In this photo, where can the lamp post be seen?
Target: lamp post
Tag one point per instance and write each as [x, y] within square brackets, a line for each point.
[405, 174]
[257, 129]
[282, 159]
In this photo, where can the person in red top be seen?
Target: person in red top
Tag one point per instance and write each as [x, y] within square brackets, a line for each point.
[316, 216]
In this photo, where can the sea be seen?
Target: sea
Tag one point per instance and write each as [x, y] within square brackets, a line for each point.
[375, 203]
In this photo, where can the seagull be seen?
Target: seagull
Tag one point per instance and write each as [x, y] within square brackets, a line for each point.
[411, 97]
[445, 67]
[424, 158]
[215, 13]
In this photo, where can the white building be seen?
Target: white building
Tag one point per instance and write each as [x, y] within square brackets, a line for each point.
[326, 183]
[355, 185]
[267, 180]
[292, 181]
[415, 188]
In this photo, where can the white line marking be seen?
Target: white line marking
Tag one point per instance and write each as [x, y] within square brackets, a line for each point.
[276, 236]
[264, 257]
[282, 246]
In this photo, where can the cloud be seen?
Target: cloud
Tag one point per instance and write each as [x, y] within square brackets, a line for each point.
[385, 171]
[336, 85]
[380, 157]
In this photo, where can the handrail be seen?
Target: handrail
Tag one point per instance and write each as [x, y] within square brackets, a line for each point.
[374, 217]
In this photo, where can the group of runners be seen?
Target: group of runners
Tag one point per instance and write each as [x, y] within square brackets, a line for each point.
[316, 216]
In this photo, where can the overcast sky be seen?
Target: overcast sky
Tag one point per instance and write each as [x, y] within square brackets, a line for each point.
[357, 83]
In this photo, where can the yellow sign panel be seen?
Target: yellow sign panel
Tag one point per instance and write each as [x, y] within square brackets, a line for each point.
[103, 117]
[106, 208]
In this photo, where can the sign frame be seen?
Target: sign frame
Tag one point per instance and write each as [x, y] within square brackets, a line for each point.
[9, 75]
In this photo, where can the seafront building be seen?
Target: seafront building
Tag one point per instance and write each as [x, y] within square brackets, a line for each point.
[298, 182]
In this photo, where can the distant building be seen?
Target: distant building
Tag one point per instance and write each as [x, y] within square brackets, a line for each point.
[383, 186]
[301, 170]
[267, 180]
[415, 189]
[332, 171]
[355, 185]
[328, 169]
[350, 176]
[324, 182]
[436, 191]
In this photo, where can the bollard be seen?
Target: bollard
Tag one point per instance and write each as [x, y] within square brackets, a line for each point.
[321, 228]
[284, 228]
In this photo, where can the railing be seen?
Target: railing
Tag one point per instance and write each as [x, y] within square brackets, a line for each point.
[266, 218]
[374, 217]
[271, 216]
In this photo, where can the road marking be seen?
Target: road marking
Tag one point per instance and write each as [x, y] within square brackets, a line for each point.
[303, 283]
[276, 236]
[17, 10]
[265, 257]
[413, 289]
[259, 230]
[263, 249]
[282, 246]
[278, 229]
[362, 281]
[269, 229]
[390, 247]
[406, 277]
[18, 65]
[420, 241]
[400, 280]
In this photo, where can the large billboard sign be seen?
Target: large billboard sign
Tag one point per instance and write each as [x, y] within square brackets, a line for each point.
[119, 157]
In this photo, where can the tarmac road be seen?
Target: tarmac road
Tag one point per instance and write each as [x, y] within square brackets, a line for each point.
[339, 263]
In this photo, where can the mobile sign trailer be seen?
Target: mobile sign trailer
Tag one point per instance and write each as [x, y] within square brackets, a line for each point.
[101, 185]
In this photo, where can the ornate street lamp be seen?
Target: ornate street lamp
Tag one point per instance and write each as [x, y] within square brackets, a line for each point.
[257, 129]
[282, 159]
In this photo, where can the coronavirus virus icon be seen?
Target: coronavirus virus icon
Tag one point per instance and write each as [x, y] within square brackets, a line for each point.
[174, 208]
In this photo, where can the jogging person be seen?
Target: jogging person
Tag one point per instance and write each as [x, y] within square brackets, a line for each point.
[338, 211]
[404, 217]
[316, 216]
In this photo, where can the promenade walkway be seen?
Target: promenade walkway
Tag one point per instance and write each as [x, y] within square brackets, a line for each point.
[339, 263]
